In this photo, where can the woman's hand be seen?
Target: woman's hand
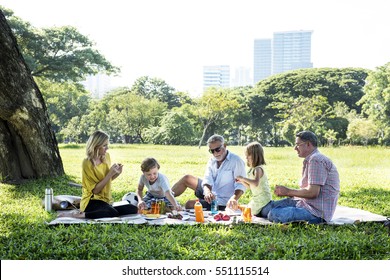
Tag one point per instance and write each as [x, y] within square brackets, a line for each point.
[116, 169]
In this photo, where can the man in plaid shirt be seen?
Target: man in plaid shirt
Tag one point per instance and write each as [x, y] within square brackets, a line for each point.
[316, 199]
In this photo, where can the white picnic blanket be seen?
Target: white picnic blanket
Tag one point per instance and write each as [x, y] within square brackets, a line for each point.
[348, 215]
[343, 215]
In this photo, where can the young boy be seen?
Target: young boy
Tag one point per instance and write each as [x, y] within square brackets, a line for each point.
[157, 186]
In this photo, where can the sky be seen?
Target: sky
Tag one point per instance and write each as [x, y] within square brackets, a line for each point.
[173, 39]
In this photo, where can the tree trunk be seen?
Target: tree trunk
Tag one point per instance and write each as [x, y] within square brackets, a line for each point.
[205, 127]
[28, 146]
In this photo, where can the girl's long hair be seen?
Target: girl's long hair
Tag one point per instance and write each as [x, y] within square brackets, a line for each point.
[257, 152]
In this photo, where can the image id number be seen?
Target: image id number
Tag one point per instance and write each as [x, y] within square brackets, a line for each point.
[224, 270]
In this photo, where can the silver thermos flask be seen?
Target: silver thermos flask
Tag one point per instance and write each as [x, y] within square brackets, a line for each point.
[48, 199]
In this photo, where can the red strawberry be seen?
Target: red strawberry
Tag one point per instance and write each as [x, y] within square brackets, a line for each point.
[226, 217]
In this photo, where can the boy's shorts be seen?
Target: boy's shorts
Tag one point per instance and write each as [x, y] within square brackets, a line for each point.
[148, 200]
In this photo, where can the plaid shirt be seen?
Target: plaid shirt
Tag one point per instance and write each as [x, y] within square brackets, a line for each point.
[320, 170]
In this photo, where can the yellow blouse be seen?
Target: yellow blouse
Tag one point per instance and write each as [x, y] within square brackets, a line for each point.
[91, 175]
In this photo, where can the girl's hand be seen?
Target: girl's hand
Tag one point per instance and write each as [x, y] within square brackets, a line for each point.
[239, 179]
[232, 203]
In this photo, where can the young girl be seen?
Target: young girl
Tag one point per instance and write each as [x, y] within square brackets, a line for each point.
[157, 186]
[257, 180]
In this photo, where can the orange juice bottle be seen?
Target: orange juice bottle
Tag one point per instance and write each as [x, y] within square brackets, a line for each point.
[199, 216]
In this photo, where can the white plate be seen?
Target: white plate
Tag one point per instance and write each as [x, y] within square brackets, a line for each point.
[152, 218]
[185, 217]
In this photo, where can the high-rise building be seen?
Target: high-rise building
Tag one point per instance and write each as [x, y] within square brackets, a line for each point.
[286, 51]
[216, 76]
[262, 59]
[291, 50]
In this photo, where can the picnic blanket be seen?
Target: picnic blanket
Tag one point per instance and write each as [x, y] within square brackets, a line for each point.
[343, 215]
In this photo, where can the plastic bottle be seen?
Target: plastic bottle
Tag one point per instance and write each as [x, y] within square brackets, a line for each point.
[199, 216]
[214, 205]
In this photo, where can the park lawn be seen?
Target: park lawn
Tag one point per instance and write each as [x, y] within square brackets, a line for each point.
[365, 184]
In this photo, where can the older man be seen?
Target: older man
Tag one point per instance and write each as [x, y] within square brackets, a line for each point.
[316, 199]
[219, 178]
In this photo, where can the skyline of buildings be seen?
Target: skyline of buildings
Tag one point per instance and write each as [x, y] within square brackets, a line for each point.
[285, 51]
[288, 50]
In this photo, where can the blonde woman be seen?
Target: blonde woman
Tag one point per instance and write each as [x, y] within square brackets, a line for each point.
[97, 175]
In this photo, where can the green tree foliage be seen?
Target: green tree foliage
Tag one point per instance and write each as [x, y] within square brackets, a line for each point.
[302, 113]
[215, 107]
[239, 121]
[362, 131]
[96, 118]
[129, 114]
[376, 101]
[175, 129]
[263, 119]
[64, 101]
[341, 105]
[304, 99]
[156, 88]
[58, 53]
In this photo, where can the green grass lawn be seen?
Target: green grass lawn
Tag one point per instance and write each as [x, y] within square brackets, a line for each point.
[365, 184]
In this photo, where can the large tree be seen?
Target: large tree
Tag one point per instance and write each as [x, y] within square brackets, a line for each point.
[27, 143]
[376, 101]
[304, 99]
[157, 88]
[215, 107]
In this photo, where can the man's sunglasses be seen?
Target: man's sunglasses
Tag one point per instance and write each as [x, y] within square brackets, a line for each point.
[215, 150]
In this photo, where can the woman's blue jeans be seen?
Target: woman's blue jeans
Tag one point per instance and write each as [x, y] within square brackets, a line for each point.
[285, 211]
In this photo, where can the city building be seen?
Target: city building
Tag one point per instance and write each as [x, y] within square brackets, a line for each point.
[285, 51]
[262, 59]
[216, 76]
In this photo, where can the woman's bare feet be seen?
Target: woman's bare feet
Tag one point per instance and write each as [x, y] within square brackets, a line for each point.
[71, 214]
